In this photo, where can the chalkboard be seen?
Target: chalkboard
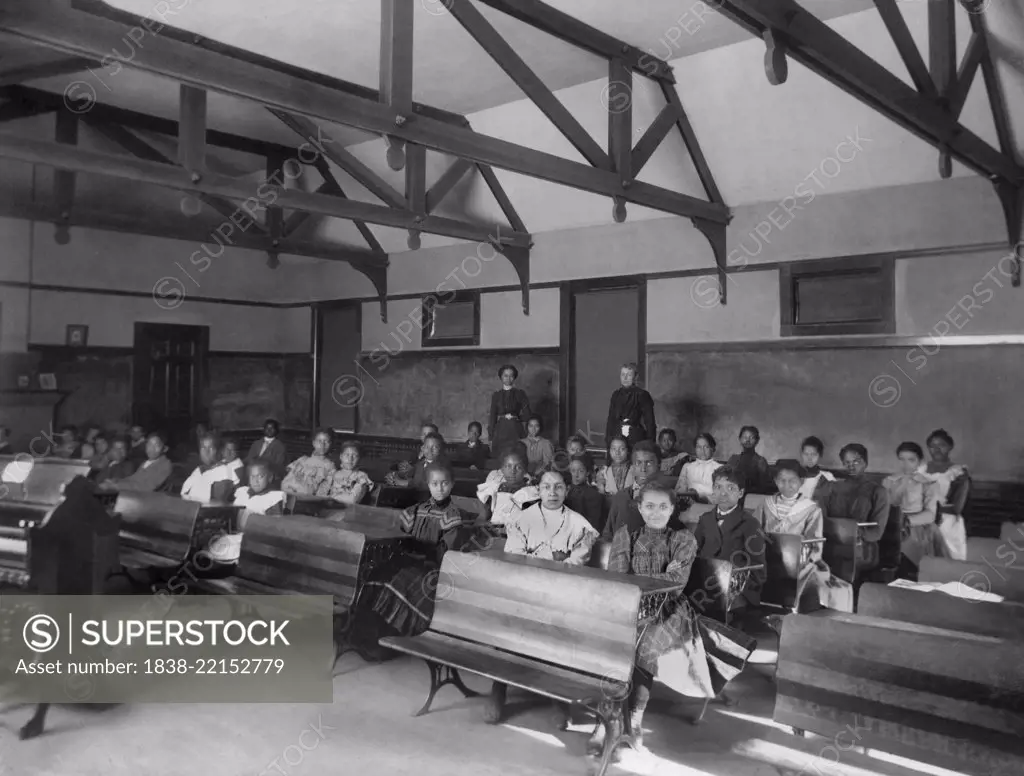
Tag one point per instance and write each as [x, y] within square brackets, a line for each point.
[876, 396]
[245, 390]
[450, 390]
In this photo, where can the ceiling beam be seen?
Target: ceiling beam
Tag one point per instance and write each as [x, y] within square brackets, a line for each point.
[814, 44]
[620, 128]
[976, 51]
[64, 180]
[138, 147]
[51, 23]
[16, 108]
[325, 145]
[942, 63]
[106, 220]
[900, 34]
[652, 137]
[455, 172]
[47, 101]
[192, 129]
[253, 198]
[498, 191]
[126, 21]
[993, 87]
[707, 179]
[331, 186]
[573, 31]
[396, 71]
[491, 41]
[54, 67]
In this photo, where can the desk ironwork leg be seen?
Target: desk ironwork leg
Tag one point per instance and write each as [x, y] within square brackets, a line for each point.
[611, 714]
[440, 675]
[34, 727]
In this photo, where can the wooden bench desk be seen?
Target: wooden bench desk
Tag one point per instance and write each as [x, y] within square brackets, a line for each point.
[1004, 578]
[564, 633]
[944, 697]
[995, 551]
[1012, 532]
[785, 555]
[159, 531]
[1002, 620]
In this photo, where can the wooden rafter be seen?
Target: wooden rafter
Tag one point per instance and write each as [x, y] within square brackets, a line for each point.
[993, 88]
[396, 70]
[942, 63]
[197, 63]
[498, 191]
[324, 144]
[526, 79]
[46, 69]
[571, 30]
[331, 186]
[108, 221]
[456, 171]
[64, 180]
[416, 187]
[42, 102]
[900, 34]
[192, 129]
[814, 44]
[34, 151]
[16, 108]
[652, 137]
[693, 145]
[138, 147]
[275, 215]
[976, 51]
[620, 128]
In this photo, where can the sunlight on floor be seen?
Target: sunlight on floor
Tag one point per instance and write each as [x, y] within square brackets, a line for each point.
[932, 770]
[536, 735]
[766, 721]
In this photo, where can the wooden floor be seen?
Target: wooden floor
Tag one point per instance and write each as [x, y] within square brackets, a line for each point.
[368, 729]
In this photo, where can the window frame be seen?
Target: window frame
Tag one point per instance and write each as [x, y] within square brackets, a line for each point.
[430, 301]
[791, 273]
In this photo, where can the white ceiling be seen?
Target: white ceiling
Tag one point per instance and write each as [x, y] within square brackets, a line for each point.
[760, 140]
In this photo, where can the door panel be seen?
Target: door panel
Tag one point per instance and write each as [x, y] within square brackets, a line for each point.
[169, 376]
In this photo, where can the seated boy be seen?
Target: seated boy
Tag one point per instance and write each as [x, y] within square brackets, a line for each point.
[153, 472]
[229, 457]
[476, 452]
[137, 445]
[211, 480]
[730, 533]
[582, 496]
[118, 466]
[433, 445]
[405, 468]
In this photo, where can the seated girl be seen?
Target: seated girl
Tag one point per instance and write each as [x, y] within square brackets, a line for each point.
[405, 469]
[583, 497]
[211, 480]
[660, 552]
[257, 496]
[940, 445]
[476, 452]
[671, 459]
[229, 457]
[100, 459]
[917, 494]
[539, 451]
[551, 531]
[311, 475]
[617, 475]
[349, 484]
[815, 479]
[548, 529]
[405, 597]
[695, 478]
[752, 466]
[791, 512]
[507, 491]
[430, 452]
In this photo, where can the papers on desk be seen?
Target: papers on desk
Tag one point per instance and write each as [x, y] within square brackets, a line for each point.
[13, 546]
[955, 589]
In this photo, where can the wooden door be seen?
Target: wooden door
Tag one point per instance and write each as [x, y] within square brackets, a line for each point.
[169, 378]
[607, 328]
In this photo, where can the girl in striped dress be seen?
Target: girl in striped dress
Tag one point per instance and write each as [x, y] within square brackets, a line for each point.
[310, 475]
[406, 594]
[617, 475]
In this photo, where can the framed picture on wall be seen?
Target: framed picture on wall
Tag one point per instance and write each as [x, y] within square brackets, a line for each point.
[76, 336]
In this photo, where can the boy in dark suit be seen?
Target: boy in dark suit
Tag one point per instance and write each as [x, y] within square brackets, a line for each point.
[731, 533]
[269, 449]
[623, 510]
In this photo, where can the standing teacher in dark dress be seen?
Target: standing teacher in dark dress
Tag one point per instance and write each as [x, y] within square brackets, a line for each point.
[510, 407]
[631, 410]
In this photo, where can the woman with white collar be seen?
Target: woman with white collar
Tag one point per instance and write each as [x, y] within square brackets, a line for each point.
[815, 479]
[510, 407]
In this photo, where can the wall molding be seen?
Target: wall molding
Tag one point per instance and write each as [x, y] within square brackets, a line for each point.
[547, 350]
[65, 351]
[869, 341]
[144, 294]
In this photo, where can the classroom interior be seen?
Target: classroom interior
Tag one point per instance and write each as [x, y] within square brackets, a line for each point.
[801, 216]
